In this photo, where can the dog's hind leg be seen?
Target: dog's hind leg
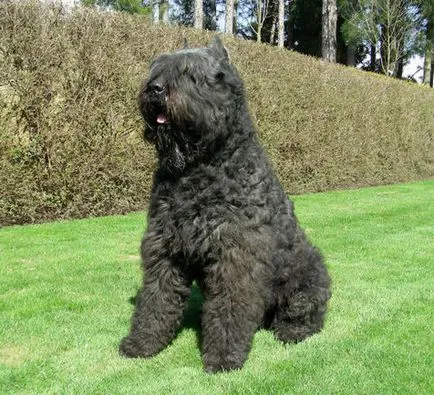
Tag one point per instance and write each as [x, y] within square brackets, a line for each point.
[302, 299]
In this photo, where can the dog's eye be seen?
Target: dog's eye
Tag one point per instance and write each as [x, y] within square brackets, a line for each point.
[193, 79]
[220, 76]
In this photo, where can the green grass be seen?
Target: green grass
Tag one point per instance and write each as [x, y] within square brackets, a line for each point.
[66, 289]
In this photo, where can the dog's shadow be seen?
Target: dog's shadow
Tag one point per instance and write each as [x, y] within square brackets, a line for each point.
[192, 314]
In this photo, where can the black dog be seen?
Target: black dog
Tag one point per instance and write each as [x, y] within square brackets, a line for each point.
[218, 215]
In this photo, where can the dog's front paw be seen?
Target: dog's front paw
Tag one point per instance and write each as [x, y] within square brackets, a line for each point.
[133, 347]
[214, 364]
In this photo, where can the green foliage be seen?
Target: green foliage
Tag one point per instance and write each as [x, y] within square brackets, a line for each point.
[70, 130]
[66, 294]
[427, 8]
[132, 6]
[129, 6]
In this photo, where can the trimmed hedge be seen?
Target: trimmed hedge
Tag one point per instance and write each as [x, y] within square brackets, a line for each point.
[70, 130]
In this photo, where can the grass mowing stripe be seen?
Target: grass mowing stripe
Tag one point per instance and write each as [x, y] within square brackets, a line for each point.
[65, 295]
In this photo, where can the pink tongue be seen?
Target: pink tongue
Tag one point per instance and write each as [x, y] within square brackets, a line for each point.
[161, 118]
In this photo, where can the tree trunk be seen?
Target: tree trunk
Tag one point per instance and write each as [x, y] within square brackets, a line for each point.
[329, 30]
[290, 28]
[373, 54]
[198, 14]
[281, 28]
[229, 21]
[431, 78]
[399, 43]
[428, 61]
[235, 20]
[260, 20]
[156, 11]
[165, 17]
[273, 30]
[384, 50]
[427, 67]
[400, 68]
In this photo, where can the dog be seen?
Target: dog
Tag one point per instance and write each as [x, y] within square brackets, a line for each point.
[218, 216]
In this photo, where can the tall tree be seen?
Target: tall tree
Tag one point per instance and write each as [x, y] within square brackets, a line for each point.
[329, 26]
[235, 22]
[198, 14]
[156, 10]
[428, 66]
[281, 26]
[269, 27]
[258, 20]
[165, 11]
[290, 25]
[210, 18]
[183, 12]
[428, 50]
[229, 16]
[387, 24]
[393, 29]
[262, 9]
[160, 11]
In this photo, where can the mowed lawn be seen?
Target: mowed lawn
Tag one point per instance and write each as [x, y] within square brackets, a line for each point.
[66, 292]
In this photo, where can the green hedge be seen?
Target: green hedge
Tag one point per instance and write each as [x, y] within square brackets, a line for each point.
[70, 131]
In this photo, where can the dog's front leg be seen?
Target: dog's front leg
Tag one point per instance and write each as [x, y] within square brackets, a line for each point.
[232, 311]
[159, 307]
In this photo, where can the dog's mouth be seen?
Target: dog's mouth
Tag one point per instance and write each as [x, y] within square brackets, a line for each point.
[157, 114]
[162, 119]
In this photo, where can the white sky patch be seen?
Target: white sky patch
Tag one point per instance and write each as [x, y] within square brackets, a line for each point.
[414, 69]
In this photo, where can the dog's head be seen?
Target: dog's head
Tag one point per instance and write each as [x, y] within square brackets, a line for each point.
[187, 102]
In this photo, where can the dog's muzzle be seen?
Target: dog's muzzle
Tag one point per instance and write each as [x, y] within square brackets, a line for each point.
[158, 96]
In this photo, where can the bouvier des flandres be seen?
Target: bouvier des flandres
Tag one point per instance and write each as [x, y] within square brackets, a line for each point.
[219, 216]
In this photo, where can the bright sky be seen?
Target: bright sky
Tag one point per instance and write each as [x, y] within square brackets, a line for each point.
[415, 68]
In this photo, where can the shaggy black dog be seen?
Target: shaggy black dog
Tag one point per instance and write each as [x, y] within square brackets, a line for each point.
[218, 215]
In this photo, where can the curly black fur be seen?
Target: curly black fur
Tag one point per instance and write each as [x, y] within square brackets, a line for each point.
[218, 215]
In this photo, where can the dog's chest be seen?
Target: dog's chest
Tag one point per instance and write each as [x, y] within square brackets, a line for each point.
[191, 218]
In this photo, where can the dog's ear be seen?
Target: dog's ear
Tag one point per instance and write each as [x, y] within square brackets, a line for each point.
[186, 46]
[218, 47]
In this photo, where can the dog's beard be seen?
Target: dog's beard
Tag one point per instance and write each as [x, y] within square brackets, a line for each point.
[170, 153]
[171, 148]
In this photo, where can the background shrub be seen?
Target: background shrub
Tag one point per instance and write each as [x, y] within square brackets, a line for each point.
[70, 131]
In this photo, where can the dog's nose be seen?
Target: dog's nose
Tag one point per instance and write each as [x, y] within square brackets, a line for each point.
[157, 88]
